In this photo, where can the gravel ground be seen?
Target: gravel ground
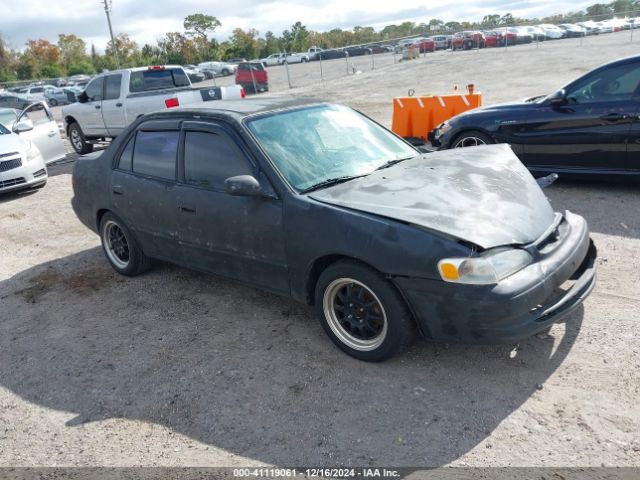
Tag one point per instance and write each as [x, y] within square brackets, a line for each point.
[181, 368]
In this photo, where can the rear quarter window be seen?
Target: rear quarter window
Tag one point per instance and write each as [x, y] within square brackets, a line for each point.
[126, 157]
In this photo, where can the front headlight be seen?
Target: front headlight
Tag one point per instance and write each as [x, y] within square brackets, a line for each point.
[32, 153]
[442, 129]
[486, 269]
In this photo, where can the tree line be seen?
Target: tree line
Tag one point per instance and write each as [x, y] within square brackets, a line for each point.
[44, 59]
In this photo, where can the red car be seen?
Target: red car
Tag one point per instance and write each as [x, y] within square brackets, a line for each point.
[468, 40]
[425, 44]
[496, 38]
[253, 77]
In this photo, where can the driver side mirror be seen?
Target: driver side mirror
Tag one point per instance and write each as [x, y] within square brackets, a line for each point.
[24, 125]
[243, 186]
[83, 97]
[558, 98]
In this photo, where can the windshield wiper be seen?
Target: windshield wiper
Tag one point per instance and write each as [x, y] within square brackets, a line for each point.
[331, 181]
[391, 163]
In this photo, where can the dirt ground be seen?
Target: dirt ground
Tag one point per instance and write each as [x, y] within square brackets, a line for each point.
[177, 368]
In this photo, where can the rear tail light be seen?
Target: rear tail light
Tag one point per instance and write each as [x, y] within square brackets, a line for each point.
[172, 102]
[242, 94]
[156, 67]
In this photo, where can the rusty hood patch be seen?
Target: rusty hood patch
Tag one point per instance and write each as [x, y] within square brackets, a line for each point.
[483, 195]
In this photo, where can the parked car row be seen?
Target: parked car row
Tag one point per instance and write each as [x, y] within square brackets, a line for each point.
[512, 35]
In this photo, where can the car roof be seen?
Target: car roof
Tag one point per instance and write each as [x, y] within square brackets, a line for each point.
[246, 107]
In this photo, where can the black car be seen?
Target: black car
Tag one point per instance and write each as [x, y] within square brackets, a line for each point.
[380, 49]
[331, 54]
[591, 126]
[357, 51]
[14, 101]
[318, 202]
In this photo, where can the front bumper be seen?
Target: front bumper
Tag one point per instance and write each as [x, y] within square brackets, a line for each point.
[26, 175]
[517, 307]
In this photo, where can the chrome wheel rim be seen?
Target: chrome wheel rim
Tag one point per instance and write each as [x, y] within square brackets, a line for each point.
[75, 139]
[355, 314]
[116, 245]
[469, 142]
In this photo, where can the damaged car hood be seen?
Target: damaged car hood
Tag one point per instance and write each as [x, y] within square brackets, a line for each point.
[483, 195]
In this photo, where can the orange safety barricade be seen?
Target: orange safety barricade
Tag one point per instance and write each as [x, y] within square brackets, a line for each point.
[417, 116]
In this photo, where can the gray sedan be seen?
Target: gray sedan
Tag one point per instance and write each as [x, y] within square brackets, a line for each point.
[56, 96]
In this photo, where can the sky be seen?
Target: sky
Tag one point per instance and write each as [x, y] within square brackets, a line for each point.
[147, 20]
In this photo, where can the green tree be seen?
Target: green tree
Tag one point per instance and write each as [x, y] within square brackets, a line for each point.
[490, 20]
[623, 6]
[243, 44]
[300, 38]
[364, 34]
[128, 51]
[453, 26]
[507, 19]
[40, 59]
[177, 48]
[270, 45]
[7, 62]
[199, 26]
[600, 11]
[73, 50]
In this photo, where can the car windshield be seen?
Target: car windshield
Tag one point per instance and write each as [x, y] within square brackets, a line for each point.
[7, 117]
[314, 145]
[3, 130]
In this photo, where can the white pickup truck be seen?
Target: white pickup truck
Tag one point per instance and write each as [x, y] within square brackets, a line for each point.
[112, 100]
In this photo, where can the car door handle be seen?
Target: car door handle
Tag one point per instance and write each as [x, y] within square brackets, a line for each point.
[614, 117]
[97, 107]
[188, 209]
[52, 133]
[117, 190]
[118, 104]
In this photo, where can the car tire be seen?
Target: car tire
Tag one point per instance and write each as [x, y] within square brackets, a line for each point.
[304, 60]
[78, 140]
[53, 102]
[121, 248]
[386, 325]
[225, 72]
[471, 138]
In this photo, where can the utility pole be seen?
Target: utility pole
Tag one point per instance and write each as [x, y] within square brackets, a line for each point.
[107, 10]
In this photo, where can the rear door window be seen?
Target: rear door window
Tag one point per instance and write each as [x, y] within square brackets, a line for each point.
[155, 154]
[158, 79]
